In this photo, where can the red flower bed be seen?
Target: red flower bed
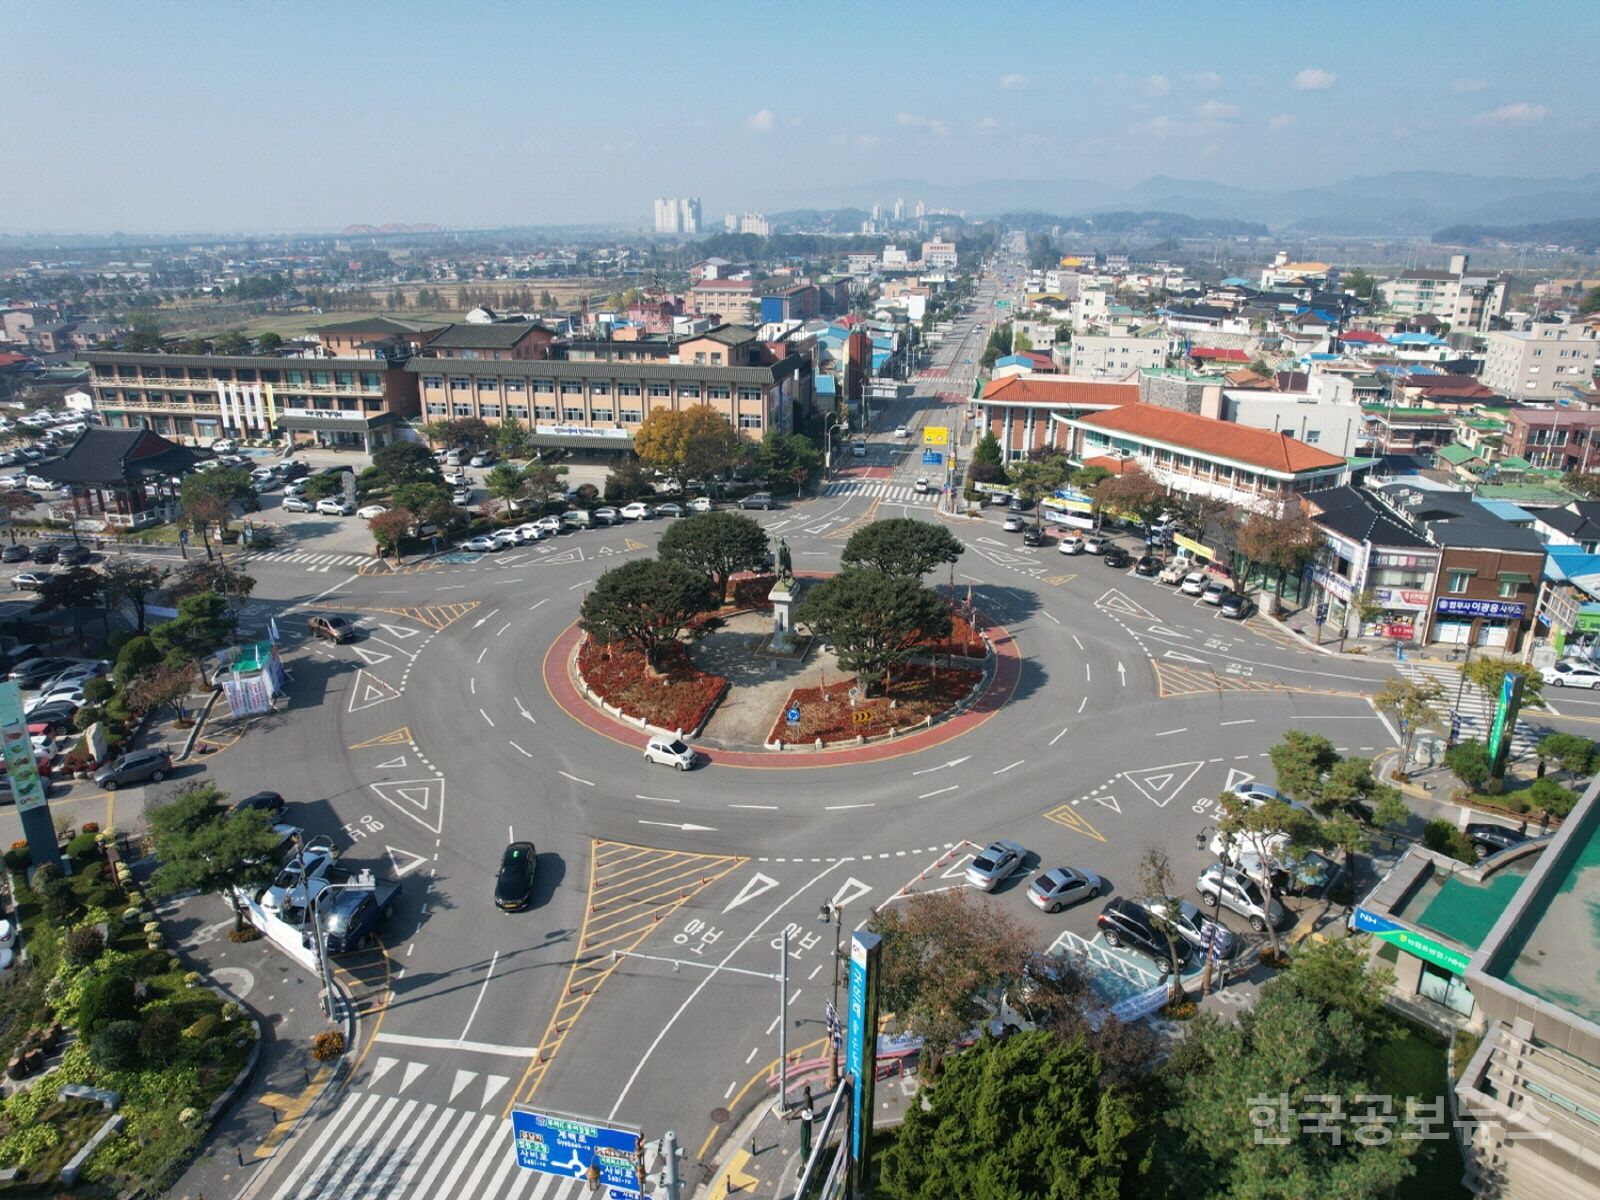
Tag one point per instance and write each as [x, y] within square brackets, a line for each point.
[681, 698]
[963, 639]
[750, 591]
[918, 692]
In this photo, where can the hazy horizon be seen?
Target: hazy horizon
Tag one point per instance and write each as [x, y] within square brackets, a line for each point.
[162, 118]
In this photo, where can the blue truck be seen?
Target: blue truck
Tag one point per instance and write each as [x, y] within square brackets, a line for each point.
[351, 916]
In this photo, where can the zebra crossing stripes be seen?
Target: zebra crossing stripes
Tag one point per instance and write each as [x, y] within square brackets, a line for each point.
[1475, 713]
[888, 492]
[375, 1146]
[311, 562]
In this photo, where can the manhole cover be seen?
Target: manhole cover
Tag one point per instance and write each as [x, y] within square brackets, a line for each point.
[719, 1115]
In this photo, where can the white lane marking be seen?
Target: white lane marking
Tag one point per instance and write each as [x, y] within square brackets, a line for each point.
[531, 607]
[1088, 675]
[1075, 639]
[763, 807]
[1170, 732]
[482, 652]
[1053, 617]
[472, 685]
[1082, 704]
[841, 807]
[473, 1015]
[940, 792]
[1063, 732]
[486, 717]
[1018, 763]
[519, 749]
[575, 779]
[450, 587]
[660, 799]
[502, 629]
[1244, 721]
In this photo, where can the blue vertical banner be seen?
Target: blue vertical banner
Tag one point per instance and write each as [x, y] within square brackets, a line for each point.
[23, 779]
[861, 1050]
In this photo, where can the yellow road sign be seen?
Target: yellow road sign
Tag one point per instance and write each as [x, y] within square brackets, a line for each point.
[935, 435]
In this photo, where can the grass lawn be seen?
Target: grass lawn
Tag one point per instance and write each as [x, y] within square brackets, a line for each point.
[1411, 1061]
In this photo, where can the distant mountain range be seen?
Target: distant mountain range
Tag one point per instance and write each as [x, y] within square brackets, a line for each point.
[1401, 203]
[1584, 234]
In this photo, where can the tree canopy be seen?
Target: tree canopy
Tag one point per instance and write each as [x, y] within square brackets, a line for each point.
[716, 545]
[203, 623]
[902, 546]
[201, 845]
[401, 462]
[1027, 1118]
[689, 443]
[875, 621]
[645, 604]
[1134, 494]
[133, 581]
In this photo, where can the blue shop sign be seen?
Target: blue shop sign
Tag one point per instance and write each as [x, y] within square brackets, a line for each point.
[1509, 610]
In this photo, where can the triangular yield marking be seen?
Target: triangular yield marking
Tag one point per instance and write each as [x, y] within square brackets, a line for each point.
[630, 544]
[1160, 784]
[566, 556]
[958, 868]
[1116, 601]
[1168, 632]
[1110, 802]
[391, 764]
[399, 631]
[1074, 821]
[491, 1085]
[404, 863]
[372, 657]
[397, 737]
[605, 550]
[463, 1077]
[383, 1067]
[412, 1071]
[369, 691]
[757, 885]
[1173, 654]
[851, 890]
[1058, 580]
[417, 798]
[1237, 779]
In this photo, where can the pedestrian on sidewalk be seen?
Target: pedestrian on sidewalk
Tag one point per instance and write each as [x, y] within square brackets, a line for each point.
[808, 1114]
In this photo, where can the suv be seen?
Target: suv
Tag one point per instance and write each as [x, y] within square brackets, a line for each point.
[335, 629]
[758, 500]
[1192, 924]
[1127, 923]
[1241, 894]
[335, 507]
[137, 766]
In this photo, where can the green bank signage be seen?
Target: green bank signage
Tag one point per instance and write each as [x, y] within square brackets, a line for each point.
[1411, 942]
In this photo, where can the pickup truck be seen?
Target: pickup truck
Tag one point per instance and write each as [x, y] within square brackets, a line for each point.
[350, 916]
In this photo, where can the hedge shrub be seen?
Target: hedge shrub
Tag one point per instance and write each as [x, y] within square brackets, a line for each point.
[83, 945]
[115, 1045]
[105, 998]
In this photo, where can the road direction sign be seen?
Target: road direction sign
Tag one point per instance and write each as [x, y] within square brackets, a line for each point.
[932, 458]
[567, 1146]
[793, 715]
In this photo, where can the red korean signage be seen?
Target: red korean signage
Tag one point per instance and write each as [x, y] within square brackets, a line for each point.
[1404, 630]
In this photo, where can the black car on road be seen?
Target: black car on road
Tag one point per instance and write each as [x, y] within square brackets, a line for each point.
[1148, 564]
[1127, 924]
[47, 553]
[1033, 536]
[513, 887]
[268, 802]
[1116, 556]
[75, 556]
[1488, 838]
[1237, 607]
[17, 553]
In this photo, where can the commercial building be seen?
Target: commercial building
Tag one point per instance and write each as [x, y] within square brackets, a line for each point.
[1119, 353]
[1367, 548]
[500, 340]
[1546, 361]
[1560, 439]
[1018, 409]
[1467, 301]
[734, 300]
[938, 254]
[1191, 454]
[801, 302]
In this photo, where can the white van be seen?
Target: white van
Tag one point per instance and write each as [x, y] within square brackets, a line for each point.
[578, 518]
[452, 458]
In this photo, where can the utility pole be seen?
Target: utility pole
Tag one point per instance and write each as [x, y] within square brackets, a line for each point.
[783, 1022]
[833, 915]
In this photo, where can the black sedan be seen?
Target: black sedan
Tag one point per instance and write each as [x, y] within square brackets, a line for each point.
[268, 802]
[1148, 564]
[1237, 607]
[74, 556]
[1488, 838]
[47, 553]
[1033, 536]
[17, 553]
[513, 887]
[1116, 556]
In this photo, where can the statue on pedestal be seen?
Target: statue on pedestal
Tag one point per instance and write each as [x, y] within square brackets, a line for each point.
[785, 560]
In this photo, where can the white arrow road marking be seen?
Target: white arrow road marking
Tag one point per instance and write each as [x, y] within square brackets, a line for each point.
[686, 828]
[758, 885]
[518, 702]
[405, 862]
[463, 1077]
[1122, 674]
[493, 1084]
[954, 762]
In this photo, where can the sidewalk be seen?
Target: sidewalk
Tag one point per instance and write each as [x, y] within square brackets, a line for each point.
[282, 997]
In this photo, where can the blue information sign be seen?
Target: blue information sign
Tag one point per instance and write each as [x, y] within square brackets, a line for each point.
[556, 1144]
[861, 1042]
[793, 715]
[933, 458]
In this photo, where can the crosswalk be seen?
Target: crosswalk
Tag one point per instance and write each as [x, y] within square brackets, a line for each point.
[386, 1146]
[1476, 711]
[889, 492]
[311, 562]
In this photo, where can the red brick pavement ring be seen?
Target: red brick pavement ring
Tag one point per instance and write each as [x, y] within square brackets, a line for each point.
[1008, 670]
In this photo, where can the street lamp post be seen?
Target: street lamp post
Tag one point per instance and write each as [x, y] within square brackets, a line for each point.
[833, 914]
[827, 462]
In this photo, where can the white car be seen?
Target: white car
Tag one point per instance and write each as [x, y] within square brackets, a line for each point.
[1572, 674]
[295, 488]
[1070, 544]
[483, 458]
[921, 485]
[461, 496]
[456, 479]
[548, 526]
[224, 446]
[670, 752]
[637, 511]
[1012, 523]
[286, 890]
[371, 510]
[504, 538]
[530, 532]
[70, 693]
[900, 431]
[700, 504]
[332, 506]
[482, 544]
[1194, 583]
[297, 503]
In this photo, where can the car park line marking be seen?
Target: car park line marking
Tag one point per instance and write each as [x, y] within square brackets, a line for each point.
[486, 717]
[662, 799]
[1003, 770]
[575, 779]
[1063, 732]
[940, 792]
[519, 750]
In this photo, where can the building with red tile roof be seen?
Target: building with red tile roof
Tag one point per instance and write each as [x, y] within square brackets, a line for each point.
[1191, 454]
[1018, 409]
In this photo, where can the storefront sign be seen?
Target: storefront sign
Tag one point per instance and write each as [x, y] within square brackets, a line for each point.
[1587, 621]
[324, 414]
[1401, 598]
[1497, 609]
[579, 431]
[1411, 942]
[1335, 584]
[22, 767]
[1196, 548]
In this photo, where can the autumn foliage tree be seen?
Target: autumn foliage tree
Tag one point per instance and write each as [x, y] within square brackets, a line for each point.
[1282, 543]
[388, 528]
[690, 443]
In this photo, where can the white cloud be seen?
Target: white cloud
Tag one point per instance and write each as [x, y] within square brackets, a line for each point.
[1216, 110]
[1314, 79]
[763, 121]
[867, 141]
[989, 124]
[1014, 82]
[1281, 121]
[932, 124]
[1156, 127]
[1465, 86]
[1158, 85]
[1520, 113]
[910, 119]
[1204, 80]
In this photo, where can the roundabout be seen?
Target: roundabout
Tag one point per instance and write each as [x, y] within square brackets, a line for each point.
[636, 985]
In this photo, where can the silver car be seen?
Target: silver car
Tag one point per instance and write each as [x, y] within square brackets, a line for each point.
[995, 862]
[1241, 894]
[1192, 925]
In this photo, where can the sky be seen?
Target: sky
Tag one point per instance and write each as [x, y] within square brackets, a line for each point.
[228, 117]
